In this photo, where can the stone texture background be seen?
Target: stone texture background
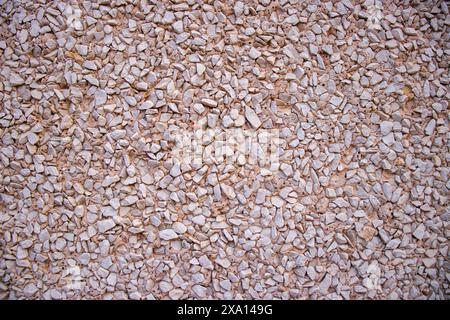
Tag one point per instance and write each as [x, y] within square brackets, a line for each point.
[94, 205]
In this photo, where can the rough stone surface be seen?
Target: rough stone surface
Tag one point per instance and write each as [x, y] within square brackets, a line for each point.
[224, 149]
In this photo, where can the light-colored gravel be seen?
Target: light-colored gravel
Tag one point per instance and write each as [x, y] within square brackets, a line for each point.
[102, 103]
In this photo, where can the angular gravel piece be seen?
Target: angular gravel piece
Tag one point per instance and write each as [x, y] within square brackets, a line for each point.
[224, 149]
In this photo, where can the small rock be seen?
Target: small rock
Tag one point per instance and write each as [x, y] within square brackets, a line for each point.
[15, 80]
[254, 53]
[252, 117]
[105, 225]
[209, 102]
[179, 227]
[168, 234]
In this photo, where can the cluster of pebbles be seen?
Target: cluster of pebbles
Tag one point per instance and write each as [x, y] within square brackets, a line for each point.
[93, 203]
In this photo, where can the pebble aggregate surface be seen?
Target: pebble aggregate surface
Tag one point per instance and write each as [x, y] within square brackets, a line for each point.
[95, 205]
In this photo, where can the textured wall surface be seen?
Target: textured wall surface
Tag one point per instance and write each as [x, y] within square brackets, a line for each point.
[222, 149]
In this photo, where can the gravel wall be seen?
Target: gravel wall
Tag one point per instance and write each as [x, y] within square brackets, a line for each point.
[224, 149]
